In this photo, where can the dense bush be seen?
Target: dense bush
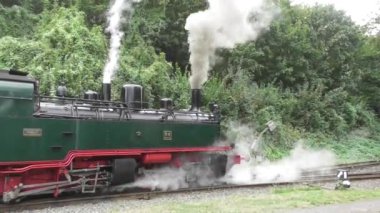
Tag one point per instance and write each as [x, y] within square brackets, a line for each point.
[62, 50]
[17, 21]
[313, 71]
[308, 108]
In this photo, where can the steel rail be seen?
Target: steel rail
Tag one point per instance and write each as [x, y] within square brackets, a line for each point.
[347, 166]
[78, 199]
[358, 164]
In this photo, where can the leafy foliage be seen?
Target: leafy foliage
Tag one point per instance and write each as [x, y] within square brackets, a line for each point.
[304, 46]
[313, 71]
[63, 50]
[139, 64]
[162, 25]
[370, 84]
[308, 108]
[16, 21]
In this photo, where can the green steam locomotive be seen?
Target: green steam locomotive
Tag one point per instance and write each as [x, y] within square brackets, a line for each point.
[51, 145]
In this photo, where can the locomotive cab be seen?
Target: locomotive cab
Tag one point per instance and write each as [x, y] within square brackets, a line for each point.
[17, 95]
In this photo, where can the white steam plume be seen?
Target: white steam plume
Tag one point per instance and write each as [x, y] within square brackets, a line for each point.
[115, 19]
[254, 169]
[224, 24]
[170, 178]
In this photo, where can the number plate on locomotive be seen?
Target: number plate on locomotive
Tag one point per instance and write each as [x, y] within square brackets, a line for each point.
[32, 132]
[167, 135]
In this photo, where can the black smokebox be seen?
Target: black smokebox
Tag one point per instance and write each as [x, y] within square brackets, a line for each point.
[195, 100]
[106, 91]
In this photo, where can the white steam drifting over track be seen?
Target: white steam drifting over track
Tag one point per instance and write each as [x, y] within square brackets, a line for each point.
[254, 168]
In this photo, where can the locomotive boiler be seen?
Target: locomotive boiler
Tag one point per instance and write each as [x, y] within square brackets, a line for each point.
[50, 145]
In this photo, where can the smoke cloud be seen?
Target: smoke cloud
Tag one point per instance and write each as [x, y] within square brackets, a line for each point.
[224, 24]
[115, 20]
[159, 179]
[256, 169]
[169, 178]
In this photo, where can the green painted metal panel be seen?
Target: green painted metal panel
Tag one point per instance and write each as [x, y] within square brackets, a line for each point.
[16, 99]
[58, 136]
[16, 89]
[144, 134]
[27, 138]
[19, 141]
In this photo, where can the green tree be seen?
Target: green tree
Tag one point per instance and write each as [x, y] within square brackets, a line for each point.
[303, 72]
[65, 50]
[95, 10]
[304, 46]
[140, 64]
[17, 21]
[370, 83]
[313, 70]
[162, 24]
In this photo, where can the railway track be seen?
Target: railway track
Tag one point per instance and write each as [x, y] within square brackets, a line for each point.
[357, 165]
[351, 167]
[78, 199]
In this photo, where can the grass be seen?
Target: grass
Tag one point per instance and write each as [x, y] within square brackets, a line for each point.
[354, 147]
[279, 199]
[2, 66]
[357, 149]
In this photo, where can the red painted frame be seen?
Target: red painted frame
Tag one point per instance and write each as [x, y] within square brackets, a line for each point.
[71, 155]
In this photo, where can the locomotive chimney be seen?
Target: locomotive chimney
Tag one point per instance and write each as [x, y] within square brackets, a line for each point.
[106, 91]
[195, 100]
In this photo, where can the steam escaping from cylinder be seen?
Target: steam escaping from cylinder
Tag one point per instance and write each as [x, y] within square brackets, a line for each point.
[256, 169]
[224, 24]
[115, 20]
[170, 178]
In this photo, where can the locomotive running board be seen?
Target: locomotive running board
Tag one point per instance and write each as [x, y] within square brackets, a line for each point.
[97, 153]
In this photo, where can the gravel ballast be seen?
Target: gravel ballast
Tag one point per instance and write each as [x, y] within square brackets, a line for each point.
[131, 205]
